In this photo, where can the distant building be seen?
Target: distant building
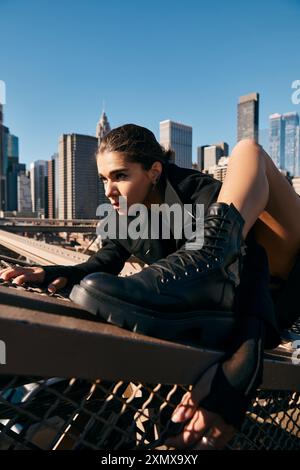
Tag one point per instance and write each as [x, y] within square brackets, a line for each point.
[291, 157]
[14, 168]
[219, 170]
[38, 174]
[297, 163]
[24, 193]
[3, 159]
[177, 137]
[4, 142]
[51, 206]
[200, 156]
[9, 159]
[213, 153]
[224, 148]
[284, 137]
[277, 139]
[56, 158]
[78, 177]
[102, 128]
[248, 117]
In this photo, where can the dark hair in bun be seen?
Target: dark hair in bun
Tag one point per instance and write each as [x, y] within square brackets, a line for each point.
[138, 144]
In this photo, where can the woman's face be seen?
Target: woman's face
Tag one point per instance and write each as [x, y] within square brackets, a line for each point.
[123, 178]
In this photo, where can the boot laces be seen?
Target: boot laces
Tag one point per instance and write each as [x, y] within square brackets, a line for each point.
[198, 259]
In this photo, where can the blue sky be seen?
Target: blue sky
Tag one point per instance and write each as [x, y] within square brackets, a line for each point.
[149, 60]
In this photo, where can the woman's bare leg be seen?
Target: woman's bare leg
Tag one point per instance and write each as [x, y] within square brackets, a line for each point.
[266, 200]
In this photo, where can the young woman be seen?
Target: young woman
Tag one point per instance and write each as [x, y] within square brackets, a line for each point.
[255, 202]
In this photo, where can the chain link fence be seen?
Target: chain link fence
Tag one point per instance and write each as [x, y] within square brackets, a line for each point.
[79, 414]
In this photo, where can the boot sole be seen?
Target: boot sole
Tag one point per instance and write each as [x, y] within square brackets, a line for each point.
[206, 327]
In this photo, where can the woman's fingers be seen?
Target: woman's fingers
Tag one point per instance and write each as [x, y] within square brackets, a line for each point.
[35, 274]
[198, 420]
[57, 284]
[4, 270]
[190, 400]
[21, 279]
[194, 430]
[205, 431]
[217, 437]
[8, 273]
[185, 409]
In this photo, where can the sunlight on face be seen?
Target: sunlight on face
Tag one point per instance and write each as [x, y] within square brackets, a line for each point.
[122, 178]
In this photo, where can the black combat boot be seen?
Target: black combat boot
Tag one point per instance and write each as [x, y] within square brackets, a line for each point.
[186, 290]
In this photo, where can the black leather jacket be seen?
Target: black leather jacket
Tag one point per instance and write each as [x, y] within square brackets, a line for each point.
[182, 186]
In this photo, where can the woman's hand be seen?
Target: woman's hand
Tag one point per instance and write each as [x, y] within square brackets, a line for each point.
[204, 430]
[34, 275]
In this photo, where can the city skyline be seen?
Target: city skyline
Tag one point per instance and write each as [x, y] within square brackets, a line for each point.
[54, 89]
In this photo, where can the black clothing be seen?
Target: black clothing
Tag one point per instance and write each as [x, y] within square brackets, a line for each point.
[286, 297]
[240, 372]
[189, 291]
[182, 186]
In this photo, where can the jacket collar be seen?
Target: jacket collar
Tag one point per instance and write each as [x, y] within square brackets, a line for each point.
[171, 195]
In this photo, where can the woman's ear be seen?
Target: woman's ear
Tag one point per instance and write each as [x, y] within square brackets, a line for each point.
[156, 171]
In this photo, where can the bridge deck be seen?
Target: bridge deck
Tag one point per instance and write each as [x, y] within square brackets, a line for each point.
[52, 336]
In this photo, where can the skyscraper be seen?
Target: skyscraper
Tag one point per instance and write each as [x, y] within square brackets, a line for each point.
[248, 116]
[52, 187]
[290, 145]
[284, 142]
[200, 156]
[56, 164]
[24, 193]
[277, 139]
[212, 155]
[9, 161]
[224, 148]
[297, 164]
[38, 174]
[78, 177]
[177, 137]
[103, 128]
[12, 171]
[4, 131]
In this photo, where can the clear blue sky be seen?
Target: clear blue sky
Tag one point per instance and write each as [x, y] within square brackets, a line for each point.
[149, 60]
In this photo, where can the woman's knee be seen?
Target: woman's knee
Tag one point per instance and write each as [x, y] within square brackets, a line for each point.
[249, 150]
[247, 144]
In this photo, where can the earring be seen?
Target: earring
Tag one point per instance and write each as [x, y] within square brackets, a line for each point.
[155, 183]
